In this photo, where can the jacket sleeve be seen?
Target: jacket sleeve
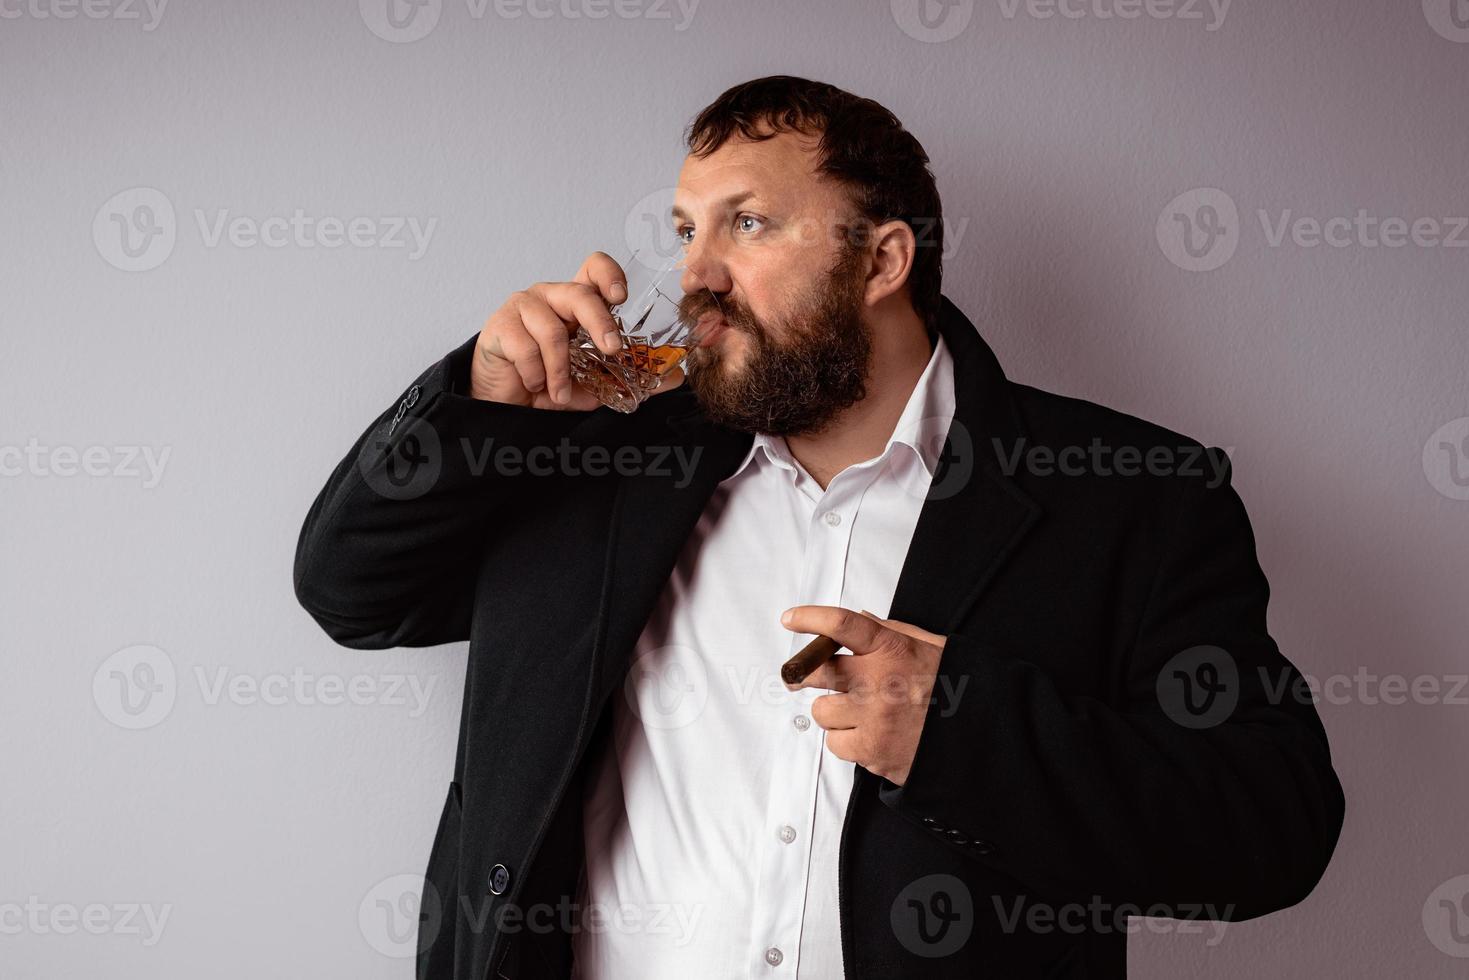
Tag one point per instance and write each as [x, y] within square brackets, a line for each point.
[389, 551]
[1210, 786]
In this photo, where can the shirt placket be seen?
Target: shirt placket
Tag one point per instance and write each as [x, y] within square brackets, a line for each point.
[785, 853]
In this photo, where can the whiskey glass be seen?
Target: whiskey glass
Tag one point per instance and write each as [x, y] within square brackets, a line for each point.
[660, 322]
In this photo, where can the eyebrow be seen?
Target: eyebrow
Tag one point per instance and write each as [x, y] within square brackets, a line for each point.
[731, 201]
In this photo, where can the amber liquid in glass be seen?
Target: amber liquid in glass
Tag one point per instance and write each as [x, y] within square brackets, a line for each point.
[638, 366]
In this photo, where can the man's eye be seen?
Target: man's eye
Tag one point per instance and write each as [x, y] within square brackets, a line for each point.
[684, 234]
[745, 222]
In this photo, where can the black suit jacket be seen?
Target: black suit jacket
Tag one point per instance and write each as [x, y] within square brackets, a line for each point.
[1119, 743]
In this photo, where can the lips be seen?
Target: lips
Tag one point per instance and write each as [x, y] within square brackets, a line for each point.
[712, 326]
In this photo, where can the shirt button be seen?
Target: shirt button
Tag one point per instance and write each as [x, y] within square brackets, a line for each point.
[801, 722]
[833, 518]
[787, 834]
[773, 956]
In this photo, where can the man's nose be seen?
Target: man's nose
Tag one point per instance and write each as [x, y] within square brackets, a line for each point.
[703, 268]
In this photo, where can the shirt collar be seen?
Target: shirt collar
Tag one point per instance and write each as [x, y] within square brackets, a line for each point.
[922, 427]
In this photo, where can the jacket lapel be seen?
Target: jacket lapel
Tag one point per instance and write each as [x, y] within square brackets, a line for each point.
[653, 514]
[975, 515]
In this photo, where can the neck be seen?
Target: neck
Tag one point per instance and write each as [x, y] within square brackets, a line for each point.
[900, 352]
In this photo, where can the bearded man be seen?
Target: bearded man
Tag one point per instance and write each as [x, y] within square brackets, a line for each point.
[1052, 710]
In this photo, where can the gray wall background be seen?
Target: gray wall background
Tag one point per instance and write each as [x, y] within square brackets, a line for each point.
[266, 823]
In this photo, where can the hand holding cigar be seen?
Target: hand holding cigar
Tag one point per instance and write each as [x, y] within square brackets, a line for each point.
[810, 657]
[880, 734]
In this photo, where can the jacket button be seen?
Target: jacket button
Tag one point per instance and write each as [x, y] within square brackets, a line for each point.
[983, 847]
[499, 879]
[956, 837]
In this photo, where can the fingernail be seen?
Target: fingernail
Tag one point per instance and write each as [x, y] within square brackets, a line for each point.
[618, 291]
[785, 618]
[612, 339]
[563, 396]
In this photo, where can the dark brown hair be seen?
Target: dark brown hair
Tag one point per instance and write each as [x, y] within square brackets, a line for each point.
[862, 145]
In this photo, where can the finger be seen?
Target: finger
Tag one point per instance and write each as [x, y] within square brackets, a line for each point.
[513, 342]
[578, 303]
[602, 271]
[858, 633]
[834, 675]
[908, 629]
[834, 712]
[847, 745]
[552, 344]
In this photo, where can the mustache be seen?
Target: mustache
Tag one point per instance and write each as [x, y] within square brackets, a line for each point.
[697, 306]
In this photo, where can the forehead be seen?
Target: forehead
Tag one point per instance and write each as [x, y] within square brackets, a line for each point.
[780, 171]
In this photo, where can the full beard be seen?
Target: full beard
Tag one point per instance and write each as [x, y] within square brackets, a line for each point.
[797, 386]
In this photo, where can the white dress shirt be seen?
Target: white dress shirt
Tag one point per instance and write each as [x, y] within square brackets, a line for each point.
[712, 822]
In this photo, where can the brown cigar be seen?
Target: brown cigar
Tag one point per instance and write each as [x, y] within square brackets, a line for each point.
[811, 656]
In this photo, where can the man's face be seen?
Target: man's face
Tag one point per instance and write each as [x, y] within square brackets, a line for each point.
[762, 231]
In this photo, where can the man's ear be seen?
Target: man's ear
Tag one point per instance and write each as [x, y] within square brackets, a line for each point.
[894, 249]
